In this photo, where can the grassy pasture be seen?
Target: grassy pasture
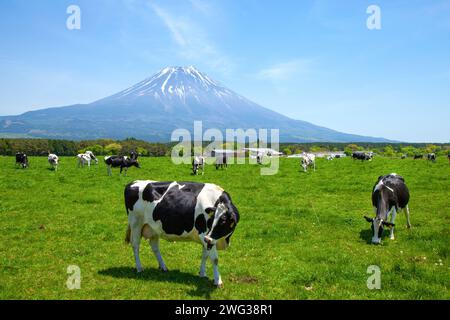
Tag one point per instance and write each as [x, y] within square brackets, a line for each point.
[301, 235]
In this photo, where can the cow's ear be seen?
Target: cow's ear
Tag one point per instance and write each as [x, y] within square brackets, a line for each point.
[368, 219]
[210, 210]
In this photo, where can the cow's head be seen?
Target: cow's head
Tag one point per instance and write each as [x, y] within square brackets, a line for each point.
[378, 225]
[226, 217]
[134, 163]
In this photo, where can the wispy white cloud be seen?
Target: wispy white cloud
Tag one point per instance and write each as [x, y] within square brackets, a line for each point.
[192, 39]
[286, 70]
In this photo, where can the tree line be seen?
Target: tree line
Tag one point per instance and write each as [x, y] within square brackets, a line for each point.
[40, 147]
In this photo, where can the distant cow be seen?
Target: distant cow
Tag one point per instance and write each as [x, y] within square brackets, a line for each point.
[198, 163]
[53, 160]
[363, 156]
[389, 195]
[86, 158]
[418, 156]
[431, 157]
[174, 211]
[404, 156]
[308, 160]
[22, 159]
[120, 161]
[331, 157]
[221, 161]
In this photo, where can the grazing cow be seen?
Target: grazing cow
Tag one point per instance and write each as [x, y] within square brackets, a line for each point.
[308, 160]
[404, 156]
[200, 212]
[221, 161]
[53, 160]
[22, 160]
[389, 196]
[86, 158]
[331, 157]
[431, 157]
[120, 161]
[198, 163]
[418, 156]
[363, 156]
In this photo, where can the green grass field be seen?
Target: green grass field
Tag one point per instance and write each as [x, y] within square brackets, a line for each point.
[301, 236]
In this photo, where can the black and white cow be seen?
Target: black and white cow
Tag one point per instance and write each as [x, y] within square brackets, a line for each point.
[22, 159]
[120, 161]
[431, 157]
[389, 196]
[188, 211]
[86, 158]
[198, 163]
[221, 161]
[404, 156]
[308, 160]
[363, 156]
[53, 160]
[418, 156]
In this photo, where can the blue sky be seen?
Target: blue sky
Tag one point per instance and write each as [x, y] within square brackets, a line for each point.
[311, 60]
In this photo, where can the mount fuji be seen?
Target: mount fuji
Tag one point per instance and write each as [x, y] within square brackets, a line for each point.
[173, 98]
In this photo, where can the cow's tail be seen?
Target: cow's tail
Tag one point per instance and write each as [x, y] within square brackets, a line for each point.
[128, 235]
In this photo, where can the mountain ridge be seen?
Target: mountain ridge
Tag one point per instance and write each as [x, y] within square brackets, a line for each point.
[173, 98]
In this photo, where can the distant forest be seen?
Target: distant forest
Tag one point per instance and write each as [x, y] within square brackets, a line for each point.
[40, 147]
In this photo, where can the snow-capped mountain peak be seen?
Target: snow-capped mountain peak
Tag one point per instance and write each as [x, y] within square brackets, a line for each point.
[174, 82]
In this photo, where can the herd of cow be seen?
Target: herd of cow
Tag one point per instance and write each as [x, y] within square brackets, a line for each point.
[205, 213]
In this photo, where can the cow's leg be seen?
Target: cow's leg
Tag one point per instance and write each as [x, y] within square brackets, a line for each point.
[393, 215]
[135, 243]
[125, 169]
[408, 222]
[205, 255]
[214, 256]
[154, 243]
[108, 168]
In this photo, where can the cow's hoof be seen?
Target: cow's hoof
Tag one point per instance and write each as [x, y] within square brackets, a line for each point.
[408, 227]
[163, 269]
[140, 270]
[219, 285]
[392, 238]
[203, 275]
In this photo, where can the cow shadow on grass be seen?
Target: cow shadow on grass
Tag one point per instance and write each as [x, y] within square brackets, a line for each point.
[366, 234]
[204, 286]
